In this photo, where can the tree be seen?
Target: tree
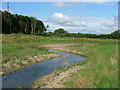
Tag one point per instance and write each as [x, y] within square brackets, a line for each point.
[115, 34]
[60, 31]
[21, 24]
[33, 24]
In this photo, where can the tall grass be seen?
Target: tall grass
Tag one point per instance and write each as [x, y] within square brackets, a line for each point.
[102, 63]
[19, 46]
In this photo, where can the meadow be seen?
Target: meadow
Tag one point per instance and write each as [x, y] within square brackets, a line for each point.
[102, 57]
[102, 63]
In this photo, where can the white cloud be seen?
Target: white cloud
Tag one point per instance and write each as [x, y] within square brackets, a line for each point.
[82, 4]
[75, 24]
[112, 4]
[2, 10]
[61, 5]
[65, 4]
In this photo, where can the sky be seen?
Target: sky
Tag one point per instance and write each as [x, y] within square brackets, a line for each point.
[82, 17]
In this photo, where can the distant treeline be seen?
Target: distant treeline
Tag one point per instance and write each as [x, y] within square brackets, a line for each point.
[62, 32]
[14, 23]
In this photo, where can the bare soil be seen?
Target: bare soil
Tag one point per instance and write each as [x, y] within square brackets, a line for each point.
[64, 47]
[56, 79]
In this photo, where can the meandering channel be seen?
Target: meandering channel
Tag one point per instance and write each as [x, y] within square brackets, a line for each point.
[25, 77]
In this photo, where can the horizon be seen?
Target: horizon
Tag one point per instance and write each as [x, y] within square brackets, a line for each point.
[74, 17]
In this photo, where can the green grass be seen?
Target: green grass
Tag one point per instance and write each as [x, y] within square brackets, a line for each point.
[102, 63]
[20, 46]
[102, 71]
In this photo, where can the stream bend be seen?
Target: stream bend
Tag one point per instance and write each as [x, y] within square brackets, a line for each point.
[25, 77]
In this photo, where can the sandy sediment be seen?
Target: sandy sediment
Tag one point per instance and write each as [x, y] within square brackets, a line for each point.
[17, 64]
[56, 79]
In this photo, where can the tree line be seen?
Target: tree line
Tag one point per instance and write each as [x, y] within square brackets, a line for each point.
[62, 32]
[14, 23]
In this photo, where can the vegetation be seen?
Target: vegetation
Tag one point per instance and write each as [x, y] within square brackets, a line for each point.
[102, 63]
[21, 24]
[19, 50]
[29, 25]
[62, 32]
[102, 71]
[102, 57]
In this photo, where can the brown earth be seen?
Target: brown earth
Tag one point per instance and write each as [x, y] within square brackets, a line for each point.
[64, 47]
[59, 80]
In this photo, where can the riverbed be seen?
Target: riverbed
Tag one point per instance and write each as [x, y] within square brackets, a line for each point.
[25, 77]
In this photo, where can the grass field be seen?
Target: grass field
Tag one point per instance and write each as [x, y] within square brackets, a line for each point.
[102, 61]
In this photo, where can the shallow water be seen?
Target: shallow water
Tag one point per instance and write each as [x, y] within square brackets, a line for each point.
[25, 77]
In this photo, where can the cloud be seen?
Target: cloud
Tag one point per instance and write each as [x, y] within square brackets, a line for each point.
[112, 4]
[2, 10]
[65, 20]
[64, 4]
[82, 24]
[61, 5]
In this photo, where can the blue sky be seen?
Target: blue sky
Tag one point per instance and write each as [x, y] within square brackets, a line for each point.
[45, 9]
[74, 17]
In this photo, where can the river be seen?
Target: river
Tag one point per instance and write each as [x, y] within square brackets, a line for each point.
[25, 77]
